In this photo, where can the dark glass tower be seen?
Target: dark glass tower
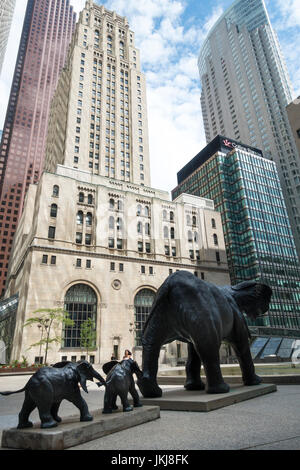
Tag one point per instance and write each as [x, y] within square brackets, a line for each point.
[245, 188]
[47, 32]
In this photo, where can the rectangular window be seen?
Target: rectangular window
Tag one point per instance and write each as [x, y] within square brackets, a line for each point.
[150, 269]
[143, 269]
[140, 247]
[119, 244]
[45, 259]
[51, 232]
[112, 266]
[53, 260]
[88, 264]
[167, 250]
[78, 237]
[148, 248]
[121, 267]
[88, 239]
[218, 257]
[78, 263]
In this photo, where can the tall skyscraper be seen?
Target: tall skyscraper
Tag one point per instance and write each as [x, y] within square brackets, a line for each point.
[245, 91]
[246, 190]
[47, 31]
[6, 15]
[94, 237]
[102, 128]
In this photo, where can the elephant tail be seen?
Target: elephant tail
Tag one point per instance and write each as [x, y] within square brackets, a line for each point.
[11, 393]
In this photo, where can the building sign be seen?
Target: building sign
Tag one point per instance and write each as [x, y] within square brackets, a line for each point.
[232, 145]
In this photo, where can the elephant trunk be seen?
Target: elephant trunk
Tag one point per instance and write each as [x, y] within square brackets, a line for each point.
[100, 378]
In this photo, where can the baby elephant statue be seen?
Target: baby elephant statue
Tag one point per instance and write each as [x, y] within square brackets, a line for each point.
[49, 386]
[119, 382]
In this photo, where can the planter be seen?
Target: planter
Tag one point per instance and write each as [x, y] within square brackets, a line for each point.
[7, 370]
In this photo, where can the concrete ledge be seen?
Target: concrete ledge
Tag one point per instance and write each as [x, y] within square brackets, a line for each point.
[183, 400]
[233, 379]
[72, 432]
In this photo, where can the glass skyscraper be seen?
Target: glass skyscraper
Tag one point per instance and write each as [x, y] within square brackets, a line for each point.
[6, 15]
[245, 91]
[245, 188]
[47, 32]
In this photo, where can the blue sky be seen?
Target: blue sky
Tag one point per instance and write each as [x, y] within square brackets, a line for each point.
[169, 34]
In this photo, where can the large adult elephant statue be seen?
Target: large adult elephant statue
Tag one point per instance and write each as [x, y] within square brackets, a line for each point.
[201, 314]
[49, 386]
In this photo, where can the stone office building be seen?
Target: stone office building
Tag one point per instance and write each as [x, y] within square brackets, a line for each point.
[95, 238]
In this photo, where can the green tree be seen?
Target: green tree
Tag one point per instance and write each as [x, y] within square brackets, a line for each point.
[87, 335]
[49, 321]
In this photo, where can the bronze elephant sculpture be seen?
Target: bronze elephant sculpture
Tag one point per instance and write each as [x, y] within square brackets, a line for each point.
[119, 381]
[201, 314]
[49, 386]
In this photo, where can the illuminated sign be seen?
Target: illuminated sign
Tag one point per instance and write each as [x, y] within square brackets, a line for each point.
[233, 145]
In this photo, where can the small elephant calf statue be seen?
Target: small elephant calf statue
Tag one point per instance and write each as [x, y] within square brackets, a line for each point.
[49, 386]
[119, 382]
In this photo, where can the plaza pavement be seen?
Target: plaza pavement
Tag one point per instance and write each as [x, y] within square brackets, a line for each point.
[269, 422]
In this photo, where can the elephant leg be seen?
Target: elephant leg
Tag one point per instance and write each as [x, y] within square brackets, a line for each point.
[81, 404]
[110, 399]
[148, 383]
[125, 402]
[135, 396]
[54, 411]
[242, 350]
[28, 406]
[211, 362]
[46, 418]
[192, 368]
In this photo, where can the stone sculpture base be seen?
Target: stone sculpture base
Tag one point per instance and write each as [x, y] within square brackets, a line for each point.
[72, 432]
[180, 399]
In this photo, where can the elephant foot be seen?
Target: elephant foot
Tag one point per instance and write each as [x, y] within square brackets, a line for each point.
[86, 418]
[138, 405]
[219, 388]
[28, 424]
[107, 411]
[57, 419]
[114, 407]
[128, 408]
[190, 385]
[49, 424]
[254, 380]
[149, 388]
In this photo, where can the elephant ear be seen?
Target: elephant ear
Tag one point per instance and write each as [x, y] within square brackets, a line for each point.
[82, 371]
[108, 366]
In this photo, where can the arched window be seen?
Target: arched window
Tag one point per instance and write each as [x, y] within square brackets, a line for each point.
[139, 209]
[172, 233]
[188, 220]
[111, 204]
[80, 217]
[81, 197]
[190, 236]
[81, 304]
[171, 216]
[111, 223]
[166, 232]
[146, 211]
[213, 223]
[89, 219]
[90, 199]
[142, 305]
[139, 227]
[196, 237]
[165, 215]
[215, 239]
[194, 220]
[55, 192]
[53, 210]
[120, 205]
